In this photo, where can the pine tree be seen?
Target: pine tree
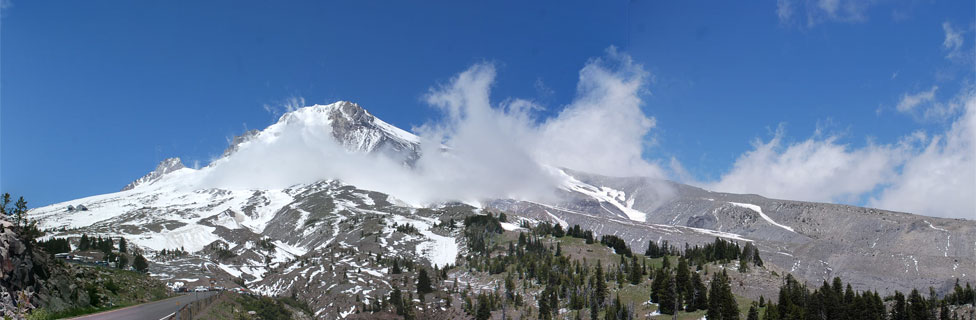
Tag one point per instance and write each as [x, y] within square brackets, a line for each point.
[123, 261]
[140, 263]
[721, 302]
[899, 310]
[683, 282]
[666, 291]
[600, 285]
[20, 212]
[753, 313]
[84, 244]
[917, 306]
[545, 308]
[396, 267]
[423, 282]
[771, 312]
[636, 274]
[122, 245]
[484, 308]
[699, 298]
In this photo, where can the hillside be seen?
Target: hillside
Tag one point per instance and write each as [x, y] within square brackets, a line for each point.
[37, 284]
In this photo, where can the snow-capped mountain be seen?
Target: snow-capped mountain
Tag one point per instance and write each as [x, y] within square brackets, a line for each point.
[306, 231]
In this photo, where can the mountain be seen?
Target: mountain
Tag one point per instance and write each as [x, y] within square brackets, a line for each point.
[331, 242]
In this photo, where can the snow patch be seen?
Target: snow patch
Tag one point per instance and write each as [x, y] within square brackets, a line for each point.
[761, 214]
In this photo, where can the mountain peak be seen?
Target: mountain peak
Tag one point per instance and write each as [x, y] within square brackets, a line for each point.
[164, 167]
[352, 126]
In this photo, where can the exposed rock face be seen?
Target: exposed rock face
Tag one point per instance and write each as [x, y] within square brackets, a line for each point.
[238, 140]
[358, 130]
[167, 166]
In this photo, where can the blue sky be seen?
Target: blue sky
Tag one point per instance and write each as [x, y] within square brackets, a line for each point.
[95, 94]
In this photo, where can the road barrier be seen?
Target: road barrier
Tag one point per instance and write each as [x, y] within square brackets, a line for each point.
[188, 311]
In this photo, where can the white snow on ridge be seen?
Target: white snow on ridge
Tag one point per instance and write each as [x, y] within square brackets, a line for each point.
[559, 221]
[727, 235]
[614, 197]
[761, 214]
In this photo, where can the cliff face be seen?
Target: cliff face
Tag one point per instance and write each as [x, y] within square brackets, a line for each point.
[24, 273]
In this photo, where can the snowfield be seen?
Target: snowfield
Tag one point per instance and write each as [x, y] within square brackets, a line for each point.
[761, 214]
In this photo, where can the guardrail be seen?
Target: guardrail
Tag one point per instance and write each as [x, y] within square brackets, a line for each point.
[193, 308]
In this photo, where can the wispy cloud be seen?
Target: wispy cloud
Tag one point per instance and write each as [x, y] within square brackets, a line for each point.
[284, 106]
[908, 102]
[784, 10]
[820, 11]
[953, 42]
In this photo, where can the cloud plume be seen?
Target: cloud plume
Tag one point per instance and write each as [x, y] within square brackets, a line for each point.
[478, 149]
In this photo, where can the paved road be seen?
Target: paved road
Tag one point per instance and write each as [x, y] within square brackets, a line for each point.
[151, 310]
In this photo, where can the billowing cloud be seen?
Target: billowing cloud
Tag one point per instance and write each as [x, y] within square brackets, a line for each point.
[940, 179]
[817, 169]
[930, 175]
[478, 149]
[604, 130]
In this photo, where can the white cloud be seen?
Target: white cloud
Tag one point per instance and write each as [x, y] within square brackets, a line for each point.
[816, 169]
[930, 175]
[927, 107]
[604, 130]
[940, 180]
[953, 40]
[910, 101]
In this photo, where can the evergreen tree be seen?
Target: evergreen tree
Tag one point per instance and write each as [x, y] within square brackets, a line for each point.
[721, 301]
[423, 282]
[682, 280]
[484, 308]
[545, 308]
[84, 243]
[140, 263]
[122, 245]
[667, 292]
[899, 310]
[917, 306]
[123, 261]
[396, 267]
[636, 273]
[699, 297]
[753, 313]
[600, 286]
[771, 312]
